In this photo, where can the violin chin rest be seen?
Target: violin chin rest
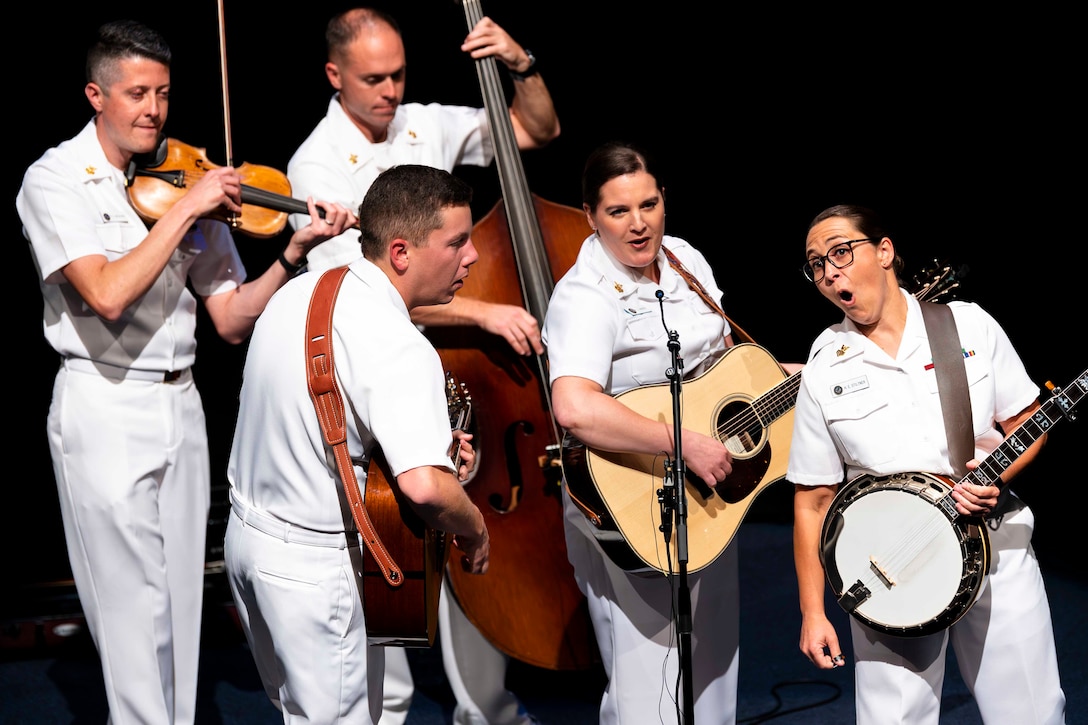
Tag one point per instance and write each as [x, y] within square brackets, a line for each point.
[158, 157]
[153, 159]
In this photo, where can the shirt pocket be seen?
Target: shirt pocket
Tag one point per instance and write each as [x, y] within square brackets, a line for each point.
[645, 327]
[862, 425]
[113, 238]
[118, 234]
[981, 394]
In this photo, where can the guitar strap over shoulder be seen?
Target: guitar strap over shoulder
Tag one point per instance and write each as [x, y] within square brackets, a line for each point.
[944, 344]
[329, 405]
[739, 335]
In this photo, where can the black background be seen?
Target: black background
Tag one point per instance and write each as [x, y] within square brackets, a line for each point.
[964, 130]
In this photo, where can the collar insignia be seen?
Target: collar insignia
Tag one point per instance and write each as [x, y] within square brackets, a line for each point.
[353, 159]
[90, 170]
[841, 351]
[411, 133]
[618, 286]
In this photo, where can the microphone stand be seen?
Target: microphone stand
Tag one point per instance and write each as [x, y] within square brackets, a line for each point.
[673, 499]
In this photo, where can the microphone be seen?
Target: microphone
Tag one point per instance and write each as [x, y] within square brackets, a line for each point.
[674, 336]
[661, 303]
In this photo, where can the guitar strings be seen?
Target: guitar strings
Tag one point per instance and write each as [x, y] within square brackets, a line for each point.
[778, 399]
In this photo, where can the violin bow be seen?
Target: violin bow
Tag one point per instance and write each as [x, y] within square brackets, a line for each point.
[223, 72]
[226, 96]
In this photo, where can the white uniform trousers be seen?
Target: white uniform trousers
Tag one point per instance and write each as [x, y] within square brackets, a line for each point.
[399, 686]
[475, 669]
[130, 458]
[1004, 647]
[637, 639]
[297, 593]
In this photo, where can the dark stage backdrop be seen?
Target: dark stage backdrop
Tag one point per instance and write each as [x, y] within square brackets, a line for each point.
[965, 131]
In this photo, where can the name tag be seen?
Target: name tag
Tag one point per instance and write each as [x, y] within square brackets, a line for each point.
[850, 386]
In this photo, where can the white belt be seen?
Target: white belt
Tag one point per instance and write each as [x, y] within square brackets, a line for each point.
[115, 372]
[289, 533]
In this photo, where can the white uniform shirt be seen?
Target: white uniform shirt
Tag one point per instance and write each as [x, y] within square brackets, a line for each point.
[337, 163]
[861, 409]
[73, 204]
[391, 380]
[604, 323]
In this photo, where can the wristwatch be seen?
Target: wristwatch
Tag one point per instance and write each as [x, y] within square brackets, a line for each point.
[532, 70]
[292, 269]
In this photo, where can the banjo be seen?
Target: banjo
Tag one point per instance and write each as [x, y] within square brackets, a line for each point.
[899, 557]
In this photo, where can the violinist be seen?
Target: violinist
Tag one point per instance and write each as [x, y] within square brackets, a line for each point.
[126, 423]
[367, 130]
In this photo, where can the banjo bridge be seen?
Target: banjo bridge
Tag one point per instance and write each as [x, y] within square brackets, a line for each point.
[881, 572]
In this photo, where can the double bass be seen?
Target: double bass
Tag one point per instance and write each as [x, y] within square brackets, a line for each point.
[528, 605]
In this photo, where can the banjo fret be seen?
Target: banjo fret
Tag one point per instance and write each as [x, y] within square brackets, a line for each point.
[948, 506]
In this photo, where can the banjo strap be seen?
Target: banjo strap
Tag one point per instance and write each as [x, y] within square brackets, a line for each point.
[944, 343]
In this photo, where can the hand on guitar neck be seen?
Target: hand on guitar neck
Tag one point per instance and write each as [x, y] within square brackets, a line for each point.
[463, 455]
[462, 452]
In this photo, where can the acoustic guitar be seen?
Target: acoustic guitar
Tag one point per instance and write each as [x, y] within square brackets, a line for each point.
[406, 615]
[743, 401]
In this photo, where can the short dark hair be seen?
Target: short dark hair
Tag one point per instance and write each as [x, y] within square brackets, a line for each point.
[345, 27]
[609, 160]
[406, 202]
[119, 40]
[867, 221]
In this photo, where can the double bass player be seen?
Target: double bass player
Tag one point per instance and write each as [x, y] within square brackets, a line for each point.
[366, 130]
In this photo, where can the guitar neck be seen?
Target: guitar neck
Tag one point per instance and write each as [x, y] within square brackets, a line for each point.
[777, 401]
[1058, 406]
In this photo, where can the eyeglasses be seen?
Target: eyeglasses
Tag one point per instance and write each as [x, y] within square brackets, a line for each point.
[839, 256]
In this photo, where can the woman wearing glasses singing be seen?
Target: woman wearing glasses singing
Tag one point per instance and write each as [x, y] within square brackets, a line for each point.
[869, 406]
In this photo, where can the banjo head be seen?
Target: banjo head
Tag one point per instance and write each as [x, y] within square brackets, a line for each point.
[898, 556]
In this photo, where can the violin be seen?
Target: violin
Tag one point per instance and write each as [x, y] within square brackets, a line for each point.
[156, 182]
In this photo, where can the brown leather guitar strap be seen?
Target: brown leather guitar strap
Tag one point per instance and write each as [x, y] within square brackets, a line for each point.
[330, 411]
[944, 344]
[739, 335]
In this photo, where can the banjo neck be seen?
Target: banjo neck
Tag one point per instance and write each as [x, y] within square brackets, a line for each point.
[1058, 406]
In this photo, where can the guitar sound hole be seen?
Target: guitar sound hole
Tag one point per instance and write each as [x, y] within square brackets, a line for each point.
[740, 429]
